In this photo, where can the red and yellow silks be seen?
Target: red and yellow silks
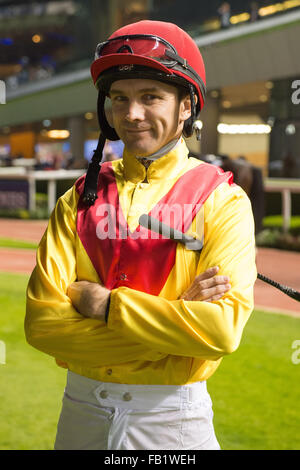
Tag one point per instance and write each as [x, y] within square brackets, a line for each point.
[151, 336]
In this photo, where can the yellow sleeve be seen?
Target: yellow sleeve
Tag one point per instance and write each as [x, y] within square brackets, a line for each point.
[205, 330]
[52, 325]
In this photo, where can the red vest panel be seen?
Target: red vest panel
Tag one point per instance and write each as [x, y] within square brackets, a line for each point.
[141, 260]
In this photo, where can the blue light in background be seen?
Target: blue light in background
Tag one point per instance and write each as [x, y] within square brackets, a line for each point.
[89, 147]
[66, 147]
[116, 147]
[60, 37]
[6, 41]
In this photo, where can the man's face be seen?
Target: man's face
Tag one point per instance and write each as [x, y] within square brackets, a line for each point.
[147, 114]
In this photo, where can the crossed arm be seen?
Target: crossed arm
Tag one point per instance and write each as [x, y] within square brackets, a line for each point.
[61, 312]
[91, 299]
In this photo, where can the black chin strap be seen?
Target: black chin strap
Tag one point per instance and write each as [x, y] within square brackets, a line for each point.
[189, 123]
[91, 179]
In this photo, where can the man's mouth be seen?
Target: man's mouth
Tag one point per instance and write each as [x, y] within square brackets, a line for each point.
[136, 131]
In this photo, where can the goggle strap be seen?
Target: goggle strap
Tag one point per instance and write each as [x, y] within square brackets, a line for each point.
[188, 68]
[194, 76]
[176, 58]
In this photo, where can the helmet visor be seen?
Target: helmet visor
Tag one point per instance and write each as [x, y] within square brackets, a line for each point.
[149, 46]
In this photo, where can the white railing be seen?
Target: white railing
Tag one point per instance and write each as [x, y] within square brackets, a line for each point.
[52, 176]
[284, 186]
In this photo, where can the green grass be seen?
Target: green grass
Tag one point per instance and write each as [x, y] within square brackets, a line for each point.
[31, 385]
[10, 243]
[255, 391]
[277, 221]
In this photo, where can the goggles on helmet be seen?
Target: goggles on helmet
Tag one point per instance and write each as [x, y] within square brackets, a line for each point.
[146, 45]
[152, 47]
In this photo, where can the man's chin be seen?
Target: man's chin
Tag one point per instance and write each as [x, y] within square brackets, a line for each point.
[141, 149]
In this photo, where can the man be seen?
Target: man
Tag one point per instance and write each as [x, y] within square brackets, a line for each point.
[225, 11]
[141, 320]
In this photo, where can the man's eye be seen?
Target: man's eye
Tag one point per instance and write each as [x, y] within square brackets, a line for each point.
[119, 98]
[150, 97]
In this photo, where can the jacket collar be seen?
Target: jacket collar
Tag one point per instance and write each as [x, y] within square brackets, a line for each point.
[167, 166]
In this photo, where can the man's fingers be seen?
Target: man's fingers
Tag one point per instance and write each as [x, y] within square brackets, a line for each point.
[73, 290]
[198, 283]
[219, 288]
[77, 286]
[76, 291]
[213, 291]
[213, 282]
[200, 287]
[214, 298]
[210, 272]
[207, 286]
[89, 298]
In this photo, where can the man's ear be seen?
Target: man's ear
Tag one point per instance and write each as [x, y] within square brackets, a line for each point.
[186, 107]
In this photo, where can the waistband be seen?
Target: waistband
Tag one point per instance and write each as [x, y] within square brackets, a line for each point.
[140, 397]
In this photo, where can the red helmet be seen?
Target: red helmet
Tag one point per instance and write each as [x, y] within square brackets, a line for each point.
[157, 45]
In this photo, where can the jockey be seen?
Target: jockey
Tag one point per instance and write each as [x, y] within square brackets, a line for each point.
[140, 320]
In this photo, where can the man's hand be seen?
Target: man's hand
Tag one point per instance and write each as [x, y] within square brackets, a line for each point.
[207, 286]
[89, 298]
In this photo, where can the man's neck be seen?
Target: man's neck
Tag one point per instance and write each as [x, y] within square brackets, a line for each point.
[161, 152]
[146, 161]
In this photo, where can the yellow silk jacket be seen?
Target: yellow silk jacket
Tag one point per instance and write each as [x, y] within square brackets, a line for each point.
[148, 339]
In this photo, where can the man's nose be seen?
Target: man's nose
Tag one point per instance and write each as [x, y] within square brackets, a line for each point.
[135, 111]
